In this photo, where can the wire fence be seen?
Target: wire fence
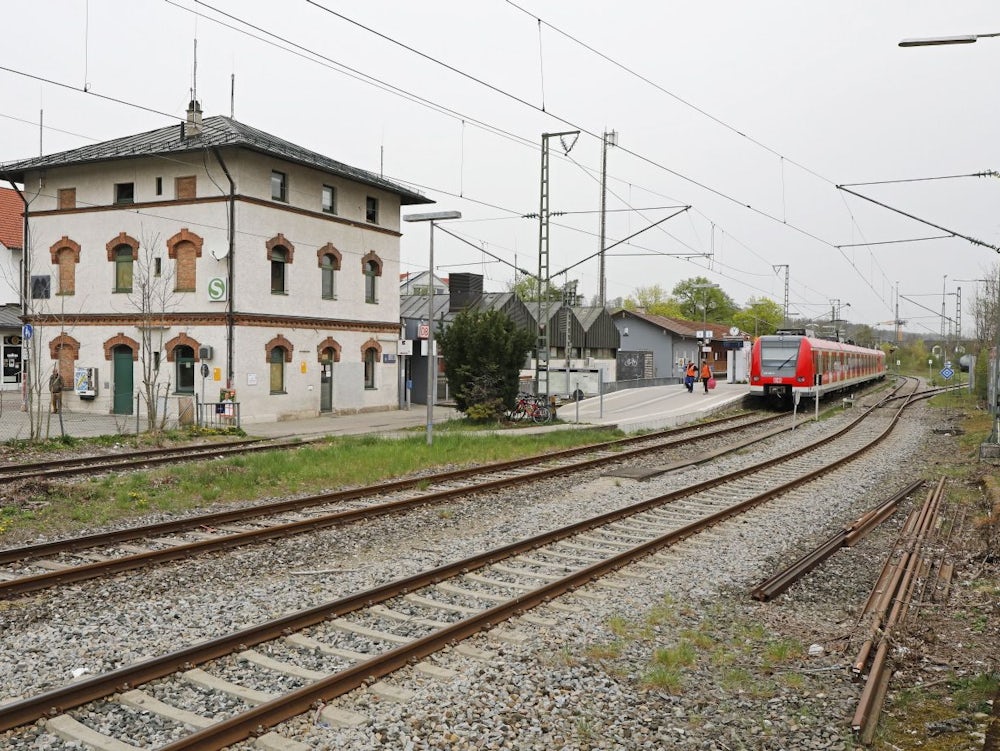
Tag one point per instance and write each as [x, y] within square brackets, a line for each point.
[173, 412]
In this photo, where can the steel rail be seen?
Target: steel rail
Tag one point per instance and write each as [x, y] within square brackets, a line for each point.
[58, 700]
[140, 458]
[223, 517]
[267, 715]
[779, 582]
[86, 571]
[897, 598]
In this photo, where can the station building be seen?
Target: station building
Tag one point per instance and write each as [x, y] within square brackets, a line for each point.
[219, 260]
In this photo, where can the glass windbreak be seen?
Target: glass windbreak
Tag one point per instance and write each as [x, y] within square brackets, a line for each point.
[778, 356]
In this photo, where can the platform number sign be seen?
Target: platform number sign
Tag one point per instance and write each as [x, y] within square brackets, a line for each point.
[947, 373]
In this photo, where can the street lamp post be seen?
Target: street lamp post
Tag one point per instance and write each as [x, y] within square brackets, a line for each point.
[432, 217]
[995, 381]
[706, 339]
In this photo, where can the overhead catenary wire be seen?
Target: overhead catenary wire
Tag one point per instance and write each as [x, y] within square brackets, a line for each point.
[727, 197]
[528, 104]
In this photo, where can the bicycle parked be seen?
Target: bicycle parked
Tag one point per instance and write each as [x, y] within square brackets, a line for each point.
[529, 407]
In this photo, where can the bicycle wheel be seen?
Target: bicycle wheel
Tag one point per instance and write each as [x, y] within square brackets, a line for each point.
[540, 414]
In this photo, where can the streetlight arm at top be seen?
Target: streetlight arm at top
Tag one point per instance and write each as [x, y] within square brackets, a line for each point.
[934, 41]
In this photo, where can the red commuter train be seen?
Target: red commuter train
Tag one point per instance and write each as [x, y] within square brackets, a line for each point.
[785, 364]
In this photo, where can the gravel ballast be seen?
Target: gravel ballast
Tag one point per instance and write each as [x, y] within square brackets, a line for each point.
[675, 655]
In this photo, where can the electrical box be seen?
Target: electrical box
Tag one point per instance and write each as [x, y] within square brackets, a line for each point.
[205, 352]
[85, 382]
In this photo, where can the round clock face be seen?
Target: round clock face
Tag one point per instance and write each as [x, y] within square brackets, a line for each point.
[734, 331]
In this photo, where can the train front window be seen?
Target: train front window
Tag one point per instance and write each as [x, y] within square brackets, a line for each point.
[778, 357]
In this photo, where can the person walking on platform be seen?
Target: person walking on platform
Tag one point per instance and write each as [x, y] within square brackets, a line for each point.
[690, 376]
[706, 373]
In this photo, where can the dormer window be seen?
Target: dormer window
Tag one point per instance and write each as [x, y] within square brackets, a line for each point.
[124, 193]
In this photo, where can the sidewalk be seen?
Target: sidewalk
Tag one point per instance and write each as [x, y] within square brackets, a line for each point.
[390, 421]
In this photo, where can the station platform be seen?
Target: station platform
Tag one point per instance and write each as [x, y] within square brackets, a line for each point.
[655, 407]
[631, 410]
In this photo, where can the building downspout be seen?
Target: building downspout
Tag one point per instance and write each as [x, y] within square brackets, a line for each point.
[230, 322]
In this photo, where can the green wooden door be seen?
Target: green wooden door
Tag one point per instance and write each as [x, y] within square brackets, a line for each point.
[122, 360]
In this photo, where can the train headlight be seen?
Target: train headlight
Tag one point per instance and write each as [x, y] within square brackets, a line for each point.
[800, 379]
[756, 379]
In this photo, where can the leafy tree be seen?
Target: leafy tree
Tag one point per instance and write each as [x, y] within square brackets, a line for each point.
[525, 286]
[761, 315]
[484, 352]
[653, 300]
[698, 302]
[864, 336]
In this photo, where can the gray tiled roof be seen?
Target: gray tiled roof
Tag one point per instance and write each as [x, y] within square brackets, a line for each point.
[216, 131]
[10, 316]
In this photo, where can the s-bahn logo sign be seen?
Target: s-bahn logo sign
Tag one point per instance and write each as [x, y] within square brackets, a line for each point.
[216, 289]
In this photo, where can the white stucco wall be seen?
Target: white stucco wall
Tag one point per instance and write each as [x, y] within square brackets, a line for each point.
[301, 315]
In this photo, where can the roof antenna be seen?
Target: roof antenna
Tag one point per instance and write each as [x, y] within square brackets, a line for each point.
[194, 73]
[232, 96]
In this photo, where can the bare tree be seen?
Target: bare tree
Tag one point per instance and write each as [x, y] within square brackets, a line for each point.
[153, 295]
[986, 308]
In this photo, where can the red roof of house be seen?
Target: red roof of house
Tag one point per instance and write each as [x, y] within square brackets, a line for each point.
[11, 221]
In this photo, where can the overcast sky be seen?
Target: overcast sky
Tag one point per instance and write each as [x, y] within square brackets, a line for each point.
[751, 113]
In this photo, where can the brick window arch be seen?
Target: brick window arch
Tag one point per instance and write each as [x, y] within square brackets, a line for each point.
[123, 239]
[181, 340]
[328, 350]
[185, 249]
[66, 254]
[121, 340]
[280, 341]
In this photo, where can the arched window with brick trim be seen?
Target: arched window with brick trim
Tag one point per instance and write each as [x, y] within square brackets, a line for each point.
[123, 251]
[185, 249]
[276, 362]
[371, 267]
[370, 354]
[65, 255]
[279, 352]
[65, 351]
[329, 263]
[280, 253]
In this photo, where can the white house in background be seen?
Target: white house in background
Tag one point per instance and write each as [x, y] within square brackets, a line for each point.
[274, 266]
[11, 234]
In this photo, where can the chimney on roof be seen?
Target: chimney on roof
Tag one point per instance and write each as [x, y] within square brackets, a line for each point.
[193, 125]
[464, 290]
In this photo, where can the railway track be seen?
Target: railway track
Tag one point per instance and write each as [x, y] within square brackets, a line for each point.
[35, 567]
[142, 459]
[287, 666]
